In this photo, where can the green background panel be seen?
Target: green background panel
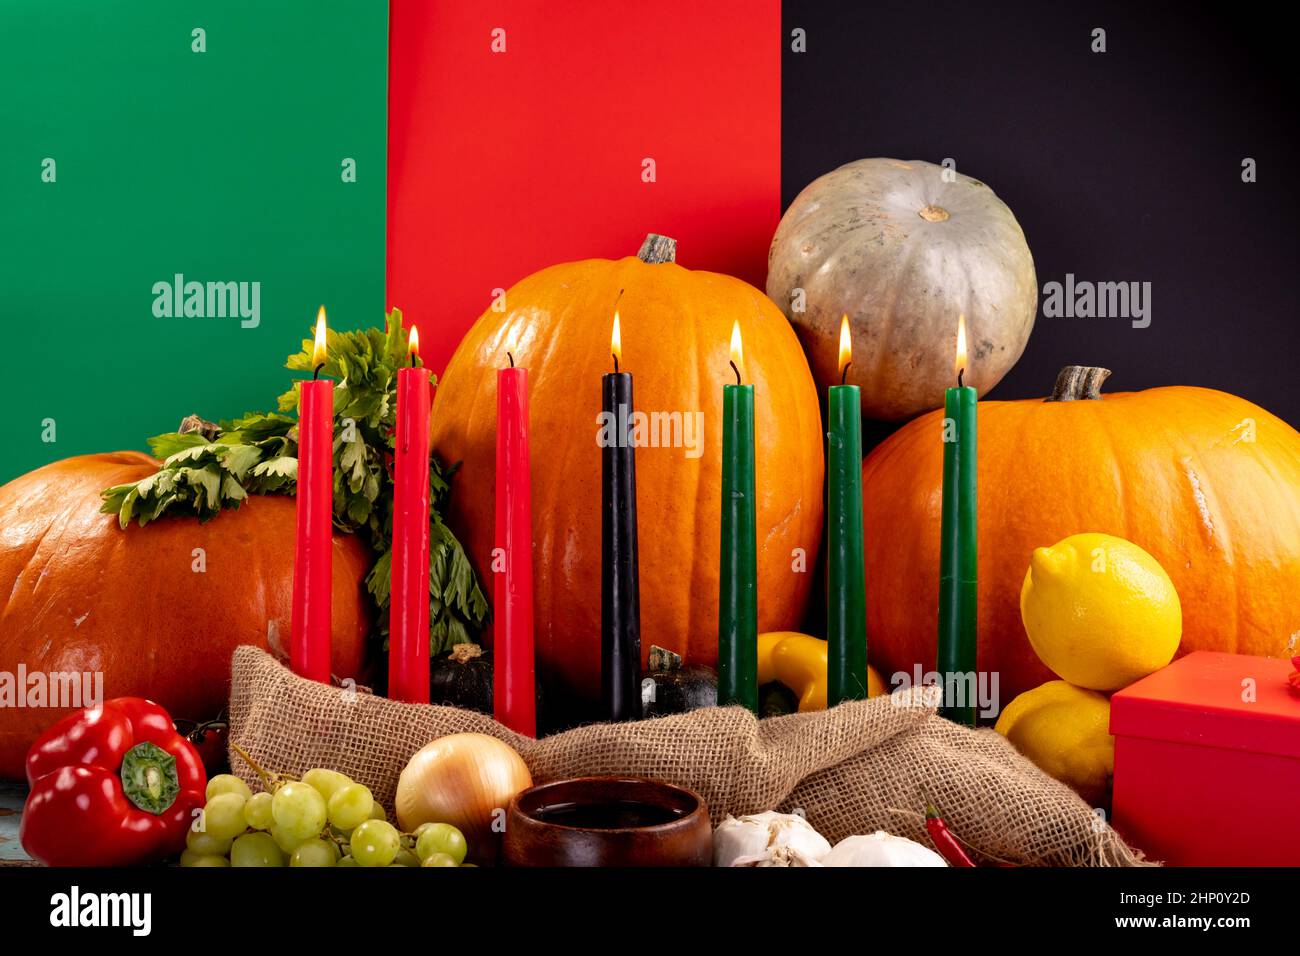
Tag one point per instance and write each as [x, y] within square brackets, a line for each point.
[223, 165]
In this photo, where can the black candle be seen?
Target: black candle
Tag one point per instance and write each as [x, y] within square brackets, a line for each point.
[620, 593]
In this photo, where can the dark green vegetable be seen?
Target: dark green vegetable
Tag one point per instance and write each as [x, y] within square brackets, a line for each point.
[462, 678]
[671, 687]
[776, 700]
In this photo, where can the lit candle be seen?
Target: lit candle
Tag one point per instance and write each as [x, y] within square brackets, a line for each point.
[738, 579]
[846, 592]
[309, 647]
[620, 594]
[514, 690]
[957, 546]
[408, 622]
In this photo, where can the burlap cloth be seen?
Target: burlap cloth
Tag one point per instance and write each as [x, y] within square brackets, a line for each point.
[859, 767]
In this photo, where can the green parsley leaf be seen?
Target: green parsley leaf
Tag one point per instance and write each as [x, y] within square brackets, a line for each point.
[257, 454]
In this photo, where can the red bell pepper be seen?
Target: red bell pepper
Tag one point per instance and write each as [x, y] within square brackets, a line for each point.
[111, 786]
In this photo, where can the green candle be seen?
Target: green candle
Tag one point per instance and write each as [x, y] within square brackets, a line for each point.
[738, 585]
[957, 547]
[846, 592]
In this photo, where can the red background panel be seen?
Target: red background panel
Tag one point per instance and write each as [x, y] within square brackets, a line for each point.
[502, 163]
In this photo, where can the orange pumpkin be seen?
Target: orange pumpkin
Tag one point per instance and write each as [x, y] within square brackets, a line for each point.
[86, 596]
[676, 330]
[1208, 483]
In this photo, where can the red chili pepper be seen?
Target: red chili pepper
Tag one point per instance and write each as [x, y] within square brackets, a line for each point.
[111, 786]
[943, 839]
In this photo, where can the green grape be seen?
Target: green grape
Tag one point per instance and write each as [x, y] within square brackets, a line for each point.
[299, 810]
[223, 817]
[350, 806]
[257, 812]
[285, 841]
[440, 859]
[347, 861]
[315, 852]
[189, 859]
[375, 843]
[406, 857]
[256, 849]
[203, 843]
[378, 813]
[441, 838]
[326, 782]
[227, 783]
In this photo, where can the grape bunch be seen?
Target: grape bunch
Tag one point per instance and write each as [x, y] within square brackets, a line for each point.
[324, 819]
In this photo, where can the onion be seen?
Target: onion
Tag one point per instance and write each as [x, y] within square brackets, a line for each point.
[466, 780]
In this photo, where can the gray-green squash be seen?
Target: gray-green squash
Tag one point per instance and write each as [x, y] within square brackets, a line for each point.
[904, 249]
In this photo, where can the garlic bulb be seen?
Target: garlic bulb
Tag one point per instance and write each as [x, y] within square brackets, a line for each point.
[734, 839]
[768, 839]
[779, 856]
[881, 849]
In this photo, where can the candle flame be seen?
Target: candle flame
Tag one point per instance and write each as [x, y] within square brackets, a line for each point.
[318, 353]
[413, 344]
[959, 363]
[846, 345]
[616, 342]
[737, 350]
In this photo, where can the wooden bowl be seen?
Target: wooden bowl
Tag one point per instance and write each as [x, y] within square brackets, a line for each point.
[607, 821]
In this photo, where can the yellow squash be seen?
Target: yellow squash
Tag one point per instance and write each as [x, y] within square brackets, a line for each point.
[799, 662]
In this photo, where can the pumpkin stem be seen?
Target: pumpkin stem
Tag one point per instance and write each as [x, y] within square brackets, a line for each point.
[1078, 382]
[657, 248]
[663, 661]
[463, 653]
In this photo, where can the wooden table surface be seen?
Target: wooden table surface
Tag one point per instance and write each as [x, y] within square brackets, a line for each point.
[12, 796]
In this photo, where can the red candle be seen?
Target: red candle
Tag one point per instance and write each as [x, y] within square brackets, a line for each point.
[514, 695]
[309, 649]
[408, 623]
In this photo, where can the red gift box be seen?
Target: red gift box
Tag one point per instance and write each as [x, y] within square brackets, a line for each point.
[1207, 762]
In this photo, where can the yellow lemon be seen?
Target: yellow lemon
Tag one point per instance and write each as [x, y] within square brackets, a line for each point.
[1065, 730]
[1099, 611]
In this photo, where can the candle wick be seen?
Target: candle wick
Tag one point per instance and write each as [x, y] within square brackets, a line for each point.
[316, 372]
[844, 372]
[615, 357]
[732, 363]
[512, 359]
[960, 373]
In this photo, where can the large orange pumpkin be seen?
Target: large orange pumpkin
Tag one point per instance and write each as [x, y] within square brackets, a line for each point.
[676, 330]
[1208, 483]
[83, 596]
